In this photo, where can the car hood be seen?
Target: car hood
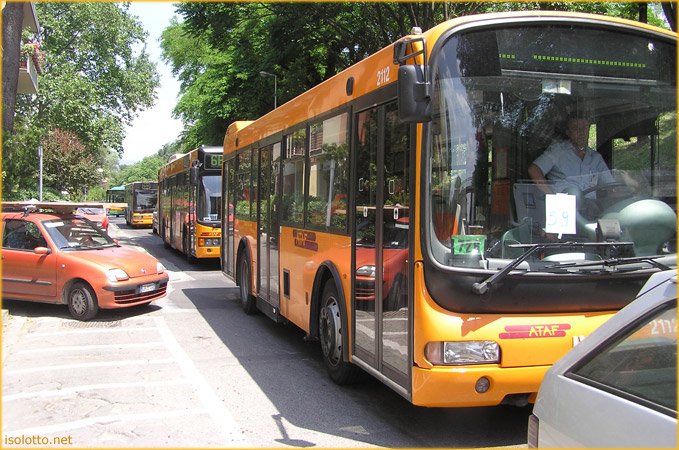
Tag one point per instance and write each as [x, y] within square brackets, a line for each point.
[134, 262]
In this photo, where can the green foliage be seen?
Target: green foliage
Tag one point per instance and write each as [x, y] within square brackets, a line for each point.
[145, 170]
[20, 165]
[219, 49]
[94, 84]
[68, 166]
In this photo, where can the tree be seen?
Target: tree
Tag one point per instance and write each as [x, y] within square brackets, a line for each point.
[145, 170]
[12, 22]
[219, 49]
[95, 82]
[67, 164]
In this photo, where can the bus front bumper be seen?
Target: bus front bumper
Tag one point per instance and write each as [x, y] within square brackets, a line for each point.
[445, 386]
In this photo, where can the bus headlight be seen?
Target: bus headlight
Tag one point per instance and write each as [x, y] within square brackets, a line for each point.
[209, 242]
[462, 352]
[114, 275]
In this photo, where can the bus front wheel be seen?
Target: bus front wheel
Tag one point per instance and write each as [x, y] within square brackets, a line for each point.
[330, 330]
[244, 278]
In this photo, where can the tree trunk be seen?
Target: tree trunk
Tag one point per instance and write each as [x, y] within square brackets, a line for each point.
[12, 20]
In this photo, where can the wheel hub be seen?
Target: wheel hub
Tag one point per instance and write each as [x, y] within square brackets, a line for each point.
[78, 302]
[331, 332]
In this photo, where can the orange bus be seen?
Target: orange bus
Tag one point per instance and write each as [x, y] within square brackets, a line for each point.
[189, 202]
[141, 198]
[389, 211]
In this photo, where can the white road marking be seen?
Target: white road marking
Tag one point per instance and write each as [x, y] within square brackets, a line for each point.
[91, 387]
[221, 417]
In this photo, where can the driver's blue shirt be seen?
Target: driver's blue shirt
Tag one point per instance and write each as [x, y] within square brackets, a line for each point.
[564, 169]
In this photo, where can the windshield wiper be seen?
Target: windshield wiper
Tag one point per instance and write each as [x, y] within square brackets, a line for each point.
[612, 262]
[483, 287]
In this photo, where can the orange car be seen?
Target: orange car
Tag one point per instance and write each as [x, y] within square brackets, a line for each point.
[95, 214]
[58, 257]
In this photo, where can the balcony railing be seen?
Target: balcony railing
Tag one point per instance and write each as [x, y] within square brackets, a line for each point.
[28, 78]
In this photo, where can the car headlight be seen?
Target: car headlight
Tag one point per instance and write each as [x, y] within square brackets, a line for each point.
[366, 271]
[160, 268]
[463, 352]
[117, 275]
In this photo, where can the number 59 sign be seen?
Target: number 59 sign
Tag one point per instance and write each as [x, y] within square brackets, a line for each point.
[560, 213]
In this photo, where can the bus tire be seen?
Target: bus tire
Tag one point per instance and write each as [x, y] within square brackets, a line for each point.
[82, 301]
[247, 301]
[187, 251]
[330, 333]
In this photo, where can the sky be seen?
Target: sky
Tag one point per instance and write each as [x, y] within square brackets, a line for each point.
[154, 127]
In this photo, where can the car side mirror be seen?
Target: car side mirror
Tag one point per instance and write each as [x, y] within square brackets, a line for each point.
[42, 251]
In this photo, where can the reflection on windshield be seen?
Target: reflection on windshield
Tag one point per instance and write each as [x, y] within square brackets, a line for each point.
[146, 201]
[77, 234]
[210, 198]
[538, 151]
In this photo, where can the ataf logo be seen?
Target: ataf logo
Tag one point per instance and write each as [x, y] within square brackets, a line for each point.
[211, 234]
[305, 239]
[535, 331]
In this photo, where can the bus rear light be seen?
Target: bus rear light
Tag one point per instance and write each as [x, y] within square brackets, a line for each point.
[462, 352]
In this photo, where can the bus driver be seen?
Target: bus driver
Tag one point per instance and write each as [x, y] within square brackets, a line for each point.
[570, 163]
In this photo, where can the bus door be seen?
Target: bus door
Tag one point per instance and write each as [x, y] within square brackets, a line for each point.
[227, 217]
[380, 313]
[190, 242]
[268, 234]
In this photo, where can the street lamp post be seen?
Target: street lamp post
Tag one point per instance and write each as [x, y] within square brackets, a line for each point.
[40, 159]
[275, 86]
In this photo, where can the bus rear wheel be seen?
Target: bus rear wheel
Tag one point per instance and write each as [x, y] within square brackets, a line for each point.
[330, 332]
[244, 278]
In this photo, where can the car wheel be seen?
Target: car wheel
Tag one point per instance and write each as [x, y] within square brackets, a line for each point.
[82, 301]
[330, 330]
[246, 299]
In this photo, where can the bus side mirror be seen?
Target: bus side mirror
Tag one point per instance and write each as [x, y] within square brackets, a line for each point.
[414, 95]
[193, 175]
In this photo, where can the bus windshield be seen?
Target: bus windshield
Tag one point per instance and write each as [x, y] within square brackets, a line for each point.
[561, 137]
[145, 200]
[209, 199]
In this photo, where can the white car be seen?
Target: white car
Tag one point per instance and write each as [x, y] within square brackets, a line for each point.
[618, 387]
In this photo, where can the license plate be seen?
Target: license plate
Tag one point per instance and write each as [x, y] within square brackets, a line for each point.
[147, 288]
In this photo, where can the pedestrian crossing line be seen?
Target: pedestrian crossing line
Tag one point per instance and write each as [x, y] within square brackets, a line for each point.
[91, 387]
[88, 331]
[90, 347]
[220, 415]
[103, 420]
[132, 362]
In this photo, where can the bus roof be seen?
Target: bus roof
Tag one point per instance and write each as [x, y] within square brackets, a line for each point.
[362, 78]
[181, 162]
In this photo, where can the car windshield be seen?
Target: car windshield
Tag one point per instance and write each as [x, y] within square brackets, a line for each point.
[77, 234]
[539, 137]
